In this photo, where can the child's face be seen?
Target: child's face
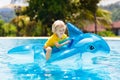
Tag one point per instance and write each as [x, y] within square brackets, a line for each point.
[60, 31]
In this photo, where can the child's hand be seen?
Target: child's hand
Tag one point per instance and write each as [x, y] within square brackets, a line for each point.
[62, 44]
[67, 42]
[57, 45]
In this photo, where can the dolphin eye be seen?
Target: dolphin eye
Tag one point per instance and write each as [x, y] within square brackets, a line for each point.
[91, 47]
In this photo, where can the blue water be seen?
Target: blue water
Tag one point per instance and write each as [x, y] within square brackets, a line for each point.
[98, 66]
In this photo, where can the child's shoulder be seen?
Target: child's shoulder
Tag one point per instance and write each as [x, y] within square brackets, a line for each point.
[53, 36]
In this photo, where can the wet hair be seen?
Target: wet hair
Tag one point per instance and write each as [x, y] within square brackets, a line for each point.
[56, 24]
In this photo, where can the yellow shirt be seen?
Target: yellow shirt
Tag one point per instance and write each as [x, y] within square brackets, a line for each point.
[53, 39]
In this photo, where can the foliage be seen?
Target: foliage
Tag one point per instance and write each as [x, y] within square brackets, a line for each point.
[26, 27]
[47, 11]
[1, 22]
[106, 33]
[38, 29]
[8, 29]
[20, 10]
[90, 5]
[103, 17]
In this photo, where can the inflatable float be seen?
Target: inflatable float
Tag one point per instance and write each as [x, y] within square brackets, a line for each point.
[80, 44]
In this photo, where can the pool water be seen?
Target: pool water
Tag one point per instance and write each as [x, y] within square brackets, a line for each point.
[92, 67]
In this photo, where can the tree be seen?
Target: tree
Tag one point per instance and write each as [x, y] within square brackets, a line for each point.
[24, 26]
[47, 11]
[79, 12]
[103, 17]
[91, 5]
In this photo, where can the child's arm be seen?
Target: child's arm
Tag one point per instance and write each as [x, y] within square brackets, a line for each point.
[59, 45]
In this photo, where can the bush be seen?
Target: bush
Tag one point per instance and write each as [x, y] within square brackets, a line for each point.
[26, 27]
[106, 34]
[8, 29]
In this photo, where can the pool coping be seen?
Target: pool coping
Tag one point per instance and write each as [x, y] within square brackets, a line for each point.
[106, 38]
[111, 38]
[23, 37]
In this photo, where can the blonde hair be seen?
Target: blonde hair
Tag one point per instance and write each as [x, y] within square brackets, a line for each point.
[56, 24]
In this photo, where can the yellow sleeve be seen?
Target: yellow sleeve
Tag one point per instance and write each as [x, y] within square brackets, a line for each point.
[51, 41]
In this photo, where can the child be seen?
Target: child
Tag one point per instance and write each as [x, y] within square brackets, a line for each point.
[58, 29]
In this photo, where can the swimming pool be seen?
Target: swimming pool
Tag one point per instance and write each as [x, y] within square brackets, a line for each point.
[92, 67]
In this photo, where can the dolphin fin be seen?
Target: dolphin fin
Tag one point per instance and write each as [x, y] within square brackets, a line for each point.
[73, 30]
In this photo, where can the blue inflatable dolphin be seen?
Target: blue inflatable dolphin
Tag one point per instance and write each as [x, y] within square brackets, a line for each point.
[80, 43]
